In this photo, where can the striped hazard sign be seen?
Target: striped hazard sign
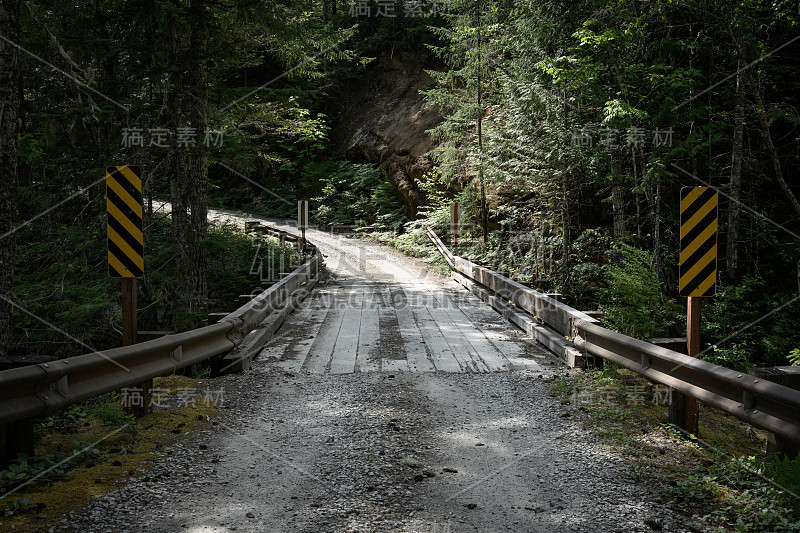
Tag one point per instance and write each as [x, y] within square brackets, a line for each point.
[124, 207]
[698, 260]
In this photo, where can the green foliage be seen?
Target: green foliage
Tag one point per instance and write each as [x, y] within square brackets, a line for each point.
[63, 281]
[591, 253]
[748, 322]
[44, 468]
[784, 473]
[735, 356]
[634, 304]
[112, 414]
[14, 506]
[355, 194]
[794, 357]
[752, 501]
[71, 415]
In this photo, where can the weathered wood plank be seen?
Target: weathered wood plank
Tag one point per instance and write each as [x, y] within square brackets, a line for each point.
[441, 353]
[343, 358]
[319, 355]
[413, 342]
[369, 335]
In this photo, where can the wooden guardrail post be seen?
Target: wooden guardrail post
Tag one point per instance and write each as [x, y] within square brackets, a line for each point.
[683, 409]
[136, 399]
[17, 437]
[692, 349]
[677, 401]
[788, 376]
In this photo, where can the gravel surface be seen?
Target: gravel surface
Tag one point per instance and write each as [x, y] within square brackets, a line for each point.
[395, 452]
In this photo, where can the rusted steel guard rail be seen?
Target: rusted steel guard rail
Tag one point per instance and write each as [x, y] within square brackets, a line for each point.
[768, 405]
[39, 390]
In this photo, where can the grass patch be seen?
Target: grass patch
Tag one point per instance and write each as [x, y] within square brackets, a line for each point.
[101, 447]
[718, 481]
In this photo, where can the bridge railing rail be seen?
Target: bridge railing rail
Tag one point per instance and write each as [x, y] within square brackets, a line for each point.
[39, 390]
[761, 403]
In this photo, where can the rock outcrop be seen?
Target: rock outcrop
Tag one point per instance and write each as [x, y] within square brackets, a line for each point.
[384, 122]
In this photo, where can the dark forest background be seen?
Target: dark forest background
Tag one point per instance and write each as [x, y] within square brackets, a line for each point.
[566, 130]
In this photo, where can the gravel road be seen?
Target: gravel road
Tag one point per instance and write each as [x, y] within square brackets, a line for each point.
[385, 451]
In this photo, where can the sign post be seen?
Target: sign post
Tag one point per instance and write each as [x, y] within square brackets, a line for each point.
[698, 279]
[454, 221]
[302, 223]
[126, 259]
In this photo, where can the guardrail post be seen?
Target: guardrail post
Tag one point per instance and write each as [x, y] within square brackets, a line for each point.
[683, 409]
[677, 401]
[135, 400]
[788, 376]
[15, 438]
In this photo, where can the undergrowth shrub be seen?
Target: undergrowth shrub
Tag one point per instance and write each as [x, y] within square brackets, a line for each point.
[633, 301]
[356, 194]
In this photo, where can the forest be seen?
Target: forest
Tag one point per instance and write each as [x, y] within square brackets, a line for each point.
[565, 130]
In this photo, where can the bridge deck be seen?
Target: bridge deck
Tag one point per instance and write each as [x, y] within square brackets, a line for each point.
[355, 323]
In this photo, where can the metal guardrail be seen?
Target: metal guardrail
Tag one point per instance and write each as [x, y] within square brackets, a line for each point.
[768, 405]
[38, 390]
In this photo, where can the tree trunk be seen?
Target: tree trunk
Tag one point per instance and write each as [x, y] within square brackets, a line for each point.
[178, 163]
[479, 120]
[761, 111]
[9, 157]
[618, 208]
[763, 124]
[654, 199]
[732, 249]
[565, 222]
[198, 193]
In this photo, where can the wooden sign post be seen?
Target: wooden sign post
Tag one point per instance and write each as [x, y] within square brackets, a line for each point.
[698, 279]
[126, 261]
[454, 221]
[302, 223]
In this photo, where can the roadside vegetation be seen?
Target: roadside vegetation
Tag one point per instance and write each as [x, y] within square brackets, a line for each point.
[63, 280]
[87, 449]
[721, 481]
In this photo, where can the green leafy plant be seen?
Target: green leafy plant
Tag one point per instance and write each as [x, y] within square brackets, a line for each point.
[13, 506]
[634, 304]
[26, 468]
[356, 194]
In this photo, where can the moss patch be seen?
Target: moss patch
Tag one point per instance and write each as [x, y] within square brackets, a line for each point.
[109, 451]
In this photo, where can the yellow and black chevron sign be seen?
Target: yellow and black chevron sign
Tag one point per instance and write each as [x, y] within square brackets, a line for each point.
[124, 206]
[698, 264]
